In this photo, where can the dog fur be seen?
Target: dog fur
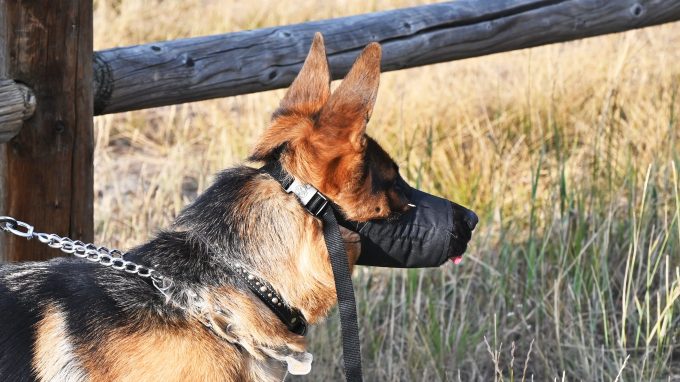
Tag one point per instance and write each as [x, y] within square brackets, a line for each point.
[71, 320]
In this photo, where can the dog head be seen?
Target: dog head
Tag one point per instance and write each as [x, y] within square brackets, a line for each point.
[321, 139]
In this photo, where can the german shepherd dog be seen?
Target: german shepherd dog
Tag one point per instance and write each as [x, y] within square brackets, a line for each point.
[72, 320]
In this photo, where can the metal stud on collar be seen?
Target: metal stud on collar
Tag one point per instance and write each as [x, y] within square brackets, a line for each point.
[292, 318]
[274, 298]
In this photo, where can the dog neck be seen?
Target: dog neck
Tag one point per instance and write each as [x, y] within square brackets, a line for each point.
[248, 220]
[215, 296]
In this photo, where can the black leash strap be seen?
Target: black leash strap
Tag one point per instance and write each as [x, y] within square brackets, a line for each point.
[317, 204]
[344, 289]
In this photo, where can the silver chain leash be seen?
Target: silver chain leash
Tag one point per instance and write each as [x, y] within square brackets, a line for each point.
[107, 257]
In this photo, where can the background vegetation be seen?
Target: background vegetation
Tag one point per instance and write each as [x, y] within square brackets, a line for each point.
[569, 153]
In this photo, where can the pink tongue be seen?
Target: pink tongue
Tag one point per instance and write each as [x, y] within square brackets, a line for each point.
[457, 260]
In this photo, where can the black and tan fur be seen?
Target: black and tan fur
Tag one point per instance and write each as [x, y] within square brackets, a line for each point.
[72, 320]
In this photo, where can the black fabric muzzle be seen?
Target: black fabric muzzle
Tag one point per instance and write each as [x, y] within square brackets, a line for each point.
[434, 231]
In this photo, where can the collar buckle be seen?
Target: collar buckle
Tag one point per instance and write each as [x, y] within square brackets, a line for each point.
[314, 201]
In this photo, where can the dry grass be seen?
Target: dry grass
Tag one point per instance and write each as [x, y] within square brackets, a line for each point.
[568, 152]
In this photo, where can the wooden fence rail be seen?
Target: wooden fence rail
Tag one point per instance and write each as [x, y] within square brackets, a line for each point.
[193, 69]
[17, 104]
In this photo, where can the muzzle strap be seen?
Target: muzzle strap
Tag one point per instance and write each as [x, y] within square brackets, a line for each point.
[317, 204]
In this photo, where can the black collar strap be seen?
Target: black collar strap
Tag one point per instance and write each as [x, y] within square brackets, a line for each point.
[291, 317]
[318, 205]
[314, 201]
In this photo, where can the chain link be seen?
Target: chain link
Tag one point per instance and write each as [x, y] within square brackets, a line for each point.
[107, 257]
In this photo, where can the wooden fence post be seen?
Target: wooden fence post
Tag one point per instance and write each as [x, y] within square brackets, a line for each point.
[46, 174]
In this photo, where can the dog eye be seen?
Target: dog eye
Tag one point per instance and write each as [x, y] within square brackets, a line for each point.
[396, 186]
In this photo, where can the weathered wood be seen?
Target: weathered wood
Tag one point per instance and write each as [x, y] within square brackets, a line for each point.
[46, 170]
[194, 69]
[17, 103]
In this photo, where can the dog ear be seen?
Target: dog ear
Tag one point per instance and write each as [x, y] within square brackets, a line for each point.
[306, 96]
[312, 86]
[351, 104]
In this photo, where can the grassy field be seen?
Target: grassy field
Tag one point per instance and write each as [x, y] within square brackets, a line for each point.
[569, 153]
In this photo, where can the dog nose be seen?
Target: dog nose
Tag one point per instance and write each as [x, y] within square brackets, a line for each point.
[471, 219]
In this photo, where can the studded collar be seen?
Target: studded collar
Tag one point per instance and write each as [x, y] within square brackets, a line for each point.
[291, 317]
[314, 202]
